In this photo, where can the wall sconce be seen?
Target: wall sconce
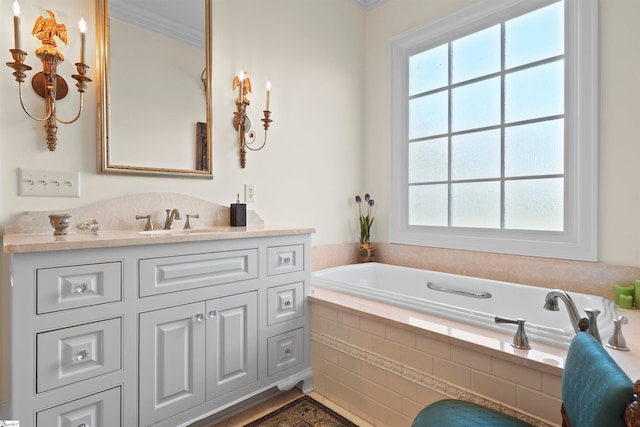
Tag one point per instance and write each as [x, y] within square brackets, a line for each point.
[241, 122]
[47, 83]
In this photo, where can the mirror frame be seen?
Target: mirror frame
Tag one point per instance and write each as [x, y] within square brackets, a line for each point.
[104, 120]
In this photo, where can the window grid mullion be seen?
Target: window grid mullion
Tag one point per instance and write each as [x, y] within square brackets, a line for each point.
[449, 130]
[500, 127]
[489, 76]
[502, 124]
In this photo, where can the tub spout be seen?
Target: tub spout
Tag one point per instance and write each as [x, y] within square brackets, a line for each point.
[551, 303]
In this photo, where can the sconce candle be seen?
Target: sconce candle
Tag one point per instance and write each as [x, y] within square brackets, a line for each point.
[83, 29]
[268, 93]
[16, 24]
[241, 78]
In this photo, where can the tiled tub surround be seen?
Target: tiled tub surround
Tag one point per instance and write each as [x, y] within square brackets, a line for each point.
[361, 346]
[385, 363]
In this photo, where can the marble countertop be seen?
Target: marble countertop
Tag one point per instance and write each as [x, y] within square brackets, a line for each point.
[38, 242]
[119, 225]
[542, 356]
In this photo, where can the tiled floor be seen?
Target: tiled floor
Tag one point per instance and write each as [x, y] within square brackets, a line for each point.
[281, 400]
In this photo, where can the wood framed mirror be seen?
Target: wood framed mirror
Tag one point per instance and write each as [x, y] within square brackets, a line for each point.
[155, 101]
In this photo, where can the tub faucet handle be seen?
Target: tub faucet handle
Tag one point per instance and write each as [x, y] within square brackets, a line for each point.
[592, 314]
[617, 341]
[520, 340]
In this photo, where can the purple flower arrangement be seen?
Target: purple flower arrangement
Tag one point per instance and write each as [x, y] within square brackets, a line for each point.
[366, 221]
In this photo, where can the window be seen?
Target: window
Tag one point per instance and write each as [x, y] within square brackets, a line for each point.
[494, 130]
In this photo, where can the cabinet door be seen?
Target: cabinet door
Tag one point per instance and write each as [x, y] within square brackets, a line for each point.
[232, 343]
[171, 361]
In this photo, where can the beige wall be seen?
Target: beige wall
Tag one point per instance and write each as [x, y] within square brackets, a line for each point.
[329, 64]
[313, 52]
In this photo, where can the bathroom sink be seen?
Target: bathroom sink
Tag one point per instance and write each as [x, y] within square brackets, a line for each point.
[180, 231]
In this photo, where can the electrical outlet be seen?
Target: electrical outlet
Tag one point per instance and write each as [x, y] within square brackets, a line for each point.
[249, 193]
[48, 183]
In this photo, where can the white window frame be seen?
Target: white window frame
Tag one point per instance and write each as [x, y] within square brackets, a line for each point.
[579, 241]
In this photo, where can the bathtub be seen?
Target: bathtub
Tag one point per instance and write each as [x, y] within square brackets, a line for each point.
[465, 299]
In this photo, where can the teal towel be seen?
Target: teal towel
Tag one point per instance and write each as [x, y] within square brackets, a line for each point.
[594, 388]
[450, 413]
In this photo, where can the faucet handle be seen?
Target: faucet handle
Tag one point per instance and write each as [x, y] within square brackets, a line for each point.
[617, 341]
[592, 314]
[520, 340]
[149, 225]
[187, 223]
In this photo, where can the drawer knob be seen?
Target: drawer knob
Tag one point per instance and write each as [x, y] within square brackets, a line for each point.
[213, 313]
[286, 260]
[84, 425]
[287, 352]
[82, 355]
[81, 289]
[199, 317]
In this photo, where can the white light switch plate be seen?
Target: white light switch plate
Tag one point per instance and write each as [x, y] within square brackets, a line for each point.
[249, 193]
[48, 183]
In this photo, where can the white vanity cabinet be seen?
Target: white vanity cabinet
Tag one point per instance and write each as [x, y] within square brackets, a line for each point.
[196, 352]
[160, 332]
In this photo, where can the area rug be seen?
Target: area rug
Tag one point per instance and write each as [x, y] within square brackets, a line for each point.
[302, 412]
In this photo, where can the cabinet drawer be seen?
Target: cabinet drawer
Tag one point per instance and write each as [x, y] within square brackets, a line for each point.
[284, 303]
[75, 286]
[285, 350]
[179, 273]
[97, 410]
[285, 259]
[67, 355]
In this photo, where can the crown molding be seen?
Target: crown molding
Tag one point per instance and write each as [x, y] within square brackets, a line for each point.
[151, 20]
[369, 4]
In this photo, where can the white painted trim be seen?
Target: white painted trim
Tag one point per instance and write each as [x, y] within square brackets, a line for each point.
[580, 241]
[154, 22]
[369, 4]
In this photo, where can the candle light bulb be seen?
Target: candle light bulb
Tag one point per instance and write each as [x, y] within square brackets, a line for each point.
[83, 29]
[16, 24]
[240, 86]
[268, 93]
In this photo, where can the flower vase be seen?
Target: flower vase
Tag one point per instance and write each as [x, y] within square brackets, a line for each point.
[367, 252]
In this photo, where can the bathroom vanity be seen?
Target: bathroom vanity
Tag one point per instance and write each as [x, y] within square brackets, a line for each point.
[129, 328]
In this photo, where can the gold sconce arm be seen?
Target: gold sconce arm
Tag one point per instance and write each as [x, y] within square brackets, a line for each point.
[241, 121]
[18, 65]
[48, 84]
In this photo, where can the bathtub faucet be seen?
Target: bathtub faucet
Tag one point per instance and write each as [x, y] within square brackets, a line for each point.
[551, 303]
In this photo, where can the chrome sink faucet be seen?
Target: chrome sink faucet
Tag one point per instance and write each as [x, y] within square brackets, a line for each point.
[579, 324]
[171, 215]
